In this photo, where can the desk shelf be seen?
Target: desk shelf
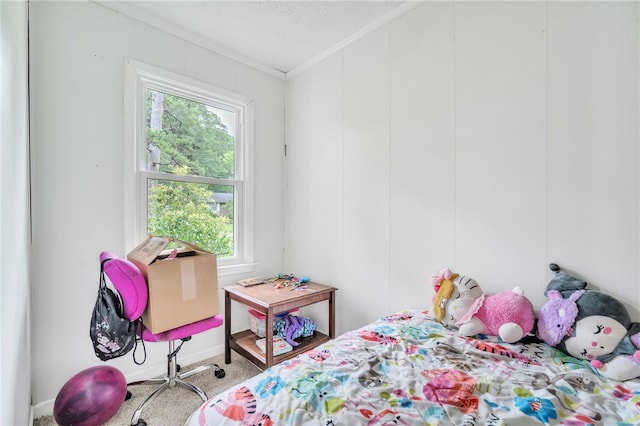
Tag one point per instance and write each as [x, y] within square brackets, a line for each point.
[244, 343]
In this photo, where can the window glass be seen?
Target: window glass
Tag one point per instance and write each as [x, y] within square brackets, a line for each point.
[186, 139]
[198, 213]
[191, 135]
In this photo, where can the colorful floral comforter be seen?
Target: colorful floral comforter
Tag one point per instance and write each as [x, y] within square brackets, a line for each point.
[406, 369]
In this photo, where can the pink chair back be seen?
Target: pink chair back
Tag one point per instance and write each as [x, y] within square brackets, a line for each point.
[128, 281]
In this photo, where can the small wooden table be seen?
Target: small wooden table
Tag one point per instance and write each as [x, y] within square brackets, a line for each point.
[269, 300]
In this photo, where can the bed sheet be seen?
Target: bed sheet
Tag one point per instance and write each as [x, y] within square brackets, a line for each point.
[407, 369]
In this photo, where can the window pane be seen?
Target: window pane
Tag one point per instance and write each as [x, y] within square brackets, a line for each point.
[197, 213]
[189, 138]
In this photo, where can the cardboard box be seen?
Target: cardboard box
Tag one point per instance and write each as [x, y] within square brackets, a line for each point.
[182, 289]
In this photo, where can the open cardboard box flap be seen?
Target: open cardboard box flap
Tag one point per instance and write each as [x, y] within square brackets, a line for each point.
[155, 247]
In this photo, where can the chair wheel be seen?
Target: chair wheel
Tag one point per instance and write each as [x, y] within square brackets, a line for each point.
[178, 368]
[219, 373]
[128, 396]
[140, 423]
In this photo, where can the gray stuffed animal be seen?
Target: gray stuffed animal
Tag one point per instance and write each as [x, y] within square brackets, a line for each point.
[590, 325]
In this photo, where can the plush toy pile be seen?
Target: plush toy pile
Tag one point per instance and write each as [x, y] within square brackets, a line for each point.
[590, 325]
[585, 324]
[460, 302]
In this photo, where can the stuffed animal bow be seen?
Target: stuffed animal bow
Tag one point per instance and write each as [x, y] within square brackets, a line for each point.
[590, 325]
[460, 302]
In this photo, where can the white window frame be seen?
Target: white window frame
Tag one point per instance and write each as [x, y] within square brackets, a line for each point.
[138, 78]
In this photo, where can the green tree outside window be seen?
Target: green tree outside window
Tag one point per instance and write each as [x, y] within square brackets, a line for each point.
[187, 138]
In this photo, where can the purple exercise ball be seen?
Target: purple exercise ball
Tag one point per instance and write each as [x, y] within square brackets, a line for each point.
[91, 397]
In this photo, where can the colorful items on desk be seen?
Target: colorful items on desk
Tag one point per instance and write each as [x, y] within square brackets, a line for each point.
[289, 280]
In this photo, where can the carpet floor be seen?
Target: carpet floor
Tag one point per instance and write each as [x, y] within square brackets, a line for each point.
[174, 406]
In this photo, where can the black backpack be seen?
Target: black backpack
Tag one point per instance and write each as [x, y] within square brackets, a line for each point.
[112, 335]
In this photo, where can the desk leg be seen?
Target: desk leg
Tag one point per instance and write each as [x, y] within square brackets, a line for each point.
[332, 315]
[227, 328]
[268, 346]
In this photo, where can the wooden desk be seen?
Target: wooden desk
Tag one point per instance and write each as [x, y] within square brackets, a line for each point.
[268, 300]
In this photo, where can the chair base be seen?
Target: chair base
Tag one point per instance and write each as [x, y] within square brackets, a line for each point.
[172, 379]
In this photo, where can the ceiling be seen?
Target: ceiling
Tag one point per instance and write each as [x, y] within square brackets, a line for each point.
[277, 36]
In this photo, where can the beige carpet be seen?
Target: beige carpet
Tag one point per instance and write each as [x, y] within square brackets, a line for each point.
[174, 406]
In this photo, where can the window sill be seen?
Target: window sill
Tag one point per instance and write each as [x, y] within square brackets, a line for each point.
[235, 269]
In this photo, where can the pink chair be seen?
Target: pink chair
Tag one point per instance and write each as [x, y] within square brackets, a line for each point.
[132, 287]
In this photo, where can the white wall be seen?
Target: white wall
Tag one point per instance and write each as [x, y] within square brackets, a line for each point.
[15, 371]
[488, 137]
[77, 64]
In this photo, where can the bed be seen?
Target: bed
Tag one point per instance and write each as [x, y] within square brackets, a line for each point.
[408, 369]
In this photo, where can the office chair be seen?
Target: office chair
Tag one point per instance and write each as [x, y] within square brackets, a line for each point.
[131, 285]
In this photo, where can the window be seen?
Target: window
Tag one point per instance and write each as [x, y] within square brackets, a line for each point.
[187, 168]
